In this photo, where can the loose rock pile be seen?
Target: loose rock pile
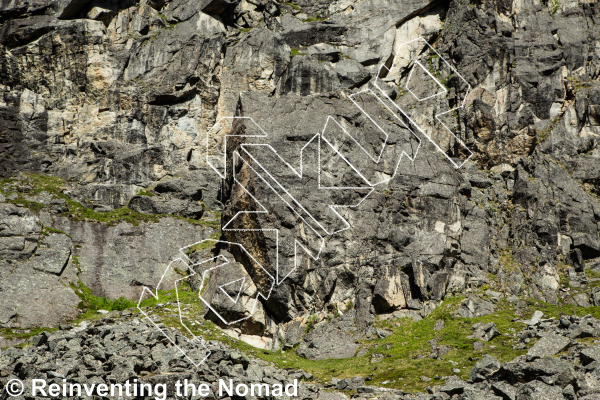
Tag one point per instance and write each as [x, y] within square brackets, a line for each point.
[116, 351]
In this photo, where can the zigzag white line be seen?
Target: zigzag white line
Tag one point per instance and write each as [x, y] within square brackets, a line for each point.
[296, 242]
[197, 339]
[376, 83]
[370, 185]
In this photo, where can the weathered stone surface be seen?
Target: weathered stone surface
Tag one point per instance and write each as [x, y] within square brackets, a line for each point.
[388, 293]
[487, 366]
[234, 295]
[587, 243]
[595, 296]
[536, 390]
[582, 299]
[473, 307]
[484, 332]
[590, 354]
[135, 87]
[35, 299]
[119, 260]
[327, 341]
[52, 254]
[535, 318]
[151, 205]
[549, 346]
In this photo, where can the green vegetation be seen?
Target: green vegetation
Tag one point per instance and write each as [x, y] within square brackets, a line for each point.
[310, 323]
[93, 303]
[78, 212]
[296, 52]
[209, 244]
[349, 306]
[144, 192]
[23, 334]
[544, 134]
[170, 25]
[578, 84]
[443, 81]
[48, 230]
[401, 357]
[507, 261]
[294, 6]
[405, 352]
[554, 6]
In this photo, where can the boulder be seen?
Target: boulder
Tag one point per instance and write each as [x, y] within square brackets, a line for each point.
[327, 341]
[595, 296]
[590, 354]
[537, 390]
[587, 243]
[549, 346]
[582, 299]
[181, 188]
[474, 307]
[535, 318]
[388, 293]
[485, 332]
[482, 369]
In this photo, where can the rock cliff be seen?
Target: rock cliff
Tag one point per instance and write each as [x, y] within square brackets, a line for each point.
[353, 160]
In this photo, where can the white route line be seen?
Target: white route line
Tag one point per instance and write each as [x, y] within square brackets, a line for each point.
[265, 211]
[238, 290]
[417, 63]
[376, 161]
[376, 83]
[299, 173]
[205, 279]
[195, 338]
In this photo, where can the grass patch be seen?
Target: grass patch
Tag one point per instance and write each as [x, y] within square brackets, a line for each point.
[349, 306]
[507, 260]
[294, 6]
[209, 244]
[48, 230]
[296, 52]
[310, 323]
[144, 192]
[79, 212]
[406, 358]
[405, 352]
[92, 303]
[23, 334]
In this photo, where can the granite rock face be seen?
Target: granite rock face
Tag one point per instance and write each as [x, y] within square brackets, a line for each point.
[32, 270]
[129, 103]
[41, 264]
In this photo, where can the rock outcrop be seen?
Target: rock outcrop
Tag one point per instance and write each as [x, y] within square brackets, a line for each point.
[118, 147]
